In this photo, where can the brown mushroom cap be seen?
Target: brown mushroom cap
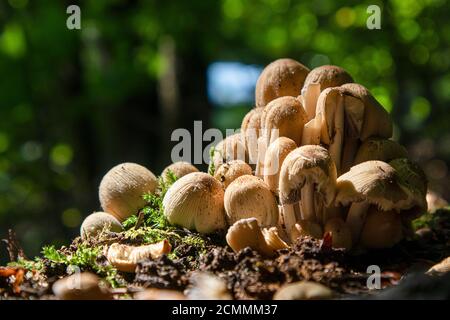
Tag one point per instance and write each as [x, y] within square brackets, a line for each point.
[80, 286]
[195, 201]
[303, 290]
[287, 115]
[274, 157]
[328, 76]
[379, 149]
[230, 171]
[282, 77]
[382, 229]
[122, 188]
[249, 197]
[375, 182]
[307, 164]
[377, 121]
[179, 169]
[97, 222]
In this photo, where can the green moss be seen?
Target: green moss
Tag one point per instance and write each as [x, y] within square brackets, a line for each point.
[211, 166]
[432, 220]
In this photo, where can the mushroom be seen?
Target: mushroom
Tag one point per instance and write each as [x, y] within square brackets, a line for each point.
[282, 77]
[206, 286]
[327, 76]
[249, 197]
[122, 188]
[125, 257]
[440, 268]
[285, 115]
[195, 201]
[379, 149]
[435, 201]
[81, 286]
[274, 157]
[230, 171]
[247, 233]
[308, 175]
[365, 117]
[97, 222]
[382, 229]
[318, 80]
[341, 236]
[179, 169]
[230, 148]
[250, 131]
[303, 290]
[374, 184]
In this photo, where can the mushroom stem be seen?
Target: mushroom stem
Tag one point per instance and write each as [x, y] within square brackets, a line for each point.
[262, 148]
[311, 132]
[310, 96]
[350, 149]
[356, 217]
[335, 148]
[307, 202]
[289, 219]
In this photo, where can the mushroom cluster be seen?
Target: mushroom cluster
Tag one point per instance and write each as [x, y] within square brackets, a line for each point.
[321, 151]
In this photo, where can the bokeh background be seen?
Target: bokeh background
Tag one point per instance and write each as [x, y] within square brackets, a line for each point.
[74, 103]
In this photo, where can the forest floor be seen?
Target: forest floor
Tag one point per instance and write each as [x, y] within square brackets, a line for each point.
[247, 275]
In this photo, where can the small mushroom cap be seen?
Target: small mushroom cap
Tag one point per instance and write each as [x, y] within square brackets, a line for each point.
[379, 149]
[246, 233]
[230, 148]
[80, 286]
[440, 268]
[274, 158]
[328, 76]
[282, 77]
[340, 233]
[375, 182]
[307, 164]
[382, 229]
[287, 115]
[249, 197]
[122, 188]
[435, 201]
[377, 121]
[179, 169]
[230, 171]
[97, 222]
[330, 110]
[303, 290]
[195, 201]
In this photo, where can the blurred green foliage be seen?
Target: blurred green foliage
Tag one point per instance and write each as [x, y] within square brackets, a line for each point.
[75, 102]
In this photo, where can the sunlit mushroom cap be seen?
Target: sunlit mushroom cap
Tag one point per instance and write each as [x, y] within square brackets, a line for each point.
[379, 149]
[287, 115]
[230, 171]
[97, 222]
[312, 164]
[327, 108]
[282, 77]
[375, 182]
[179, 169]
[249, 197]
[195, 201]
[230, 148]
[328, 76]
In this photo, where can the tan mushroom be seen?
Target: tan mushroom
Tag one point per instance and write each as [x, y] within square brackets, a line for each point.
[274, 157]
[122, 188]
[308, 175]
[230, 171]
[382, 229]
[179, 169]
[159, 294]
[196, 202]
[440, 268]
[81, 286]
[283, 77]
[341, 236]
[125, 257]
[377, 186]
[97, 222]
[250, 131]
[247, 233]
[327, 76]
[249, 197]
[379, 149]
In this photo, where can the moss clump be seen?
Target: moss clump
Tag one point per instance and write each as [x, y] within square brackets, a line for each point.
[211, 166]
